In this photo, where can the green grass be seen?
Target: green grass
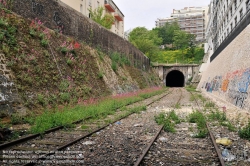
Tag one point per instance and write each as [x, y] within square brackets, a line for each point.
[179, 56]
[100, 110]
[168, 121]
[217, 115]
[177, 106]
[191, 88]
[229, 125]
[172, 115]
[198, 118]
[209, 104]
[245, 132]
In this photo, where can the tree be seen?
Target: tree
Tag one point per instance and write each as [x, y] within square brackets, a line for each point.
[105, 20]
[182, 39]
[191, 46]
[167, 32]
[146, 41]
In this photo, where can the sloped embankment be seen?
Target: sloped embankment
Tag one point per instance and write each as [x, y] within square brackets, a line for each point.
[43, 68]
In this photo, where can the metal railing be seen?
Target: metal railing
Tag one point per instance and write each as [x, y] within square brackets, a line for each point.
[111, 3]
[119, 13]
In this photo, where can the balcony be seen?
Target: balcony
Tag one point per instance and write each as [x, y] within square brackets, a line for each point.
[110, 5]
[118, 16]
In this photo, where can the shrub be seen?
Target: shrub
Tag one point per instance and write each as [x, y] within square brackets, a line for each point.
[114, 66]
[100, 75]
[65, 97]
[245, 132]
[44, 42]
[41, 99]
[217, 115]
[32, 32]
[64, 50]
[168, 121]
[198, 118]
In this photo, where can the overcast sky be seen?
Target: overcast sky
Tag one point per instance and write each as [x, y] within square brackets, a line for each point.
[144, 13]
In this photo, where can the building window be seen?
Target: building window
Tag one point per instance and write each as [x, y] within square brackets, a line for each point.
[231, 11]
[241, 13]
[247, 4]
[231, 25]
[227, 30]
[235, 4]
[235, 20]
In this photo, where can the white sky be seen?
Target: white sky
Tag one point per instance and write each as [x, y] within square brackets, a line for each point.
[144, 13]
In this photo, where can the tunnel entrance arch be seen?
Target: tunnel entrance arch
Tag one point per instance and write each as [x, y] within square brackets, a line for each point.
[175, 78]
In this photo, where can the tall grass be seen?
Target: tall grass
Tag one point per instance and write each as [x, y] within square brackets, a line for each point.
[96, 110]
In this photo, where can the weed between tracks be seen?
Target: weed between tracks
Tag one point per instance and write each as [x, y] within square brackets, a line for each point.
[168, 121]
[199, 118]
[94, 111]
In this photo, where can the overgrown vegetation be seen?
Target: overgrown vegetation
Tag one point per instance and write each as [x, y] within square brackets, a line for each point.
[168, 121]
[199, 118]
[179, 46]
[106, 20]
[51, 69]
[91, 109]
[190, 88]
[245, 132]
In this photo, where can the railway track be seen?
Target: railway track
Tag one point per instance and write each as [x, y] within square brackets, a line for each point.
[54, 145]
[181, 148]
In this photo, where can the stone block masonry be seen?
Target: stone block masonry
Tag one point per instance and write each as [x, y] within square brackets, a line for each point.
[228, 75]
[58, 16]
[8, 93]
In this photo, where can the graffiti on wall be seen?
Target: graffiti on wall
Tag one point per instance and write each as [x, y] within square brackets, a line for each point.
[234, 84]
[224, 85]
[37, 8]
[244, 81]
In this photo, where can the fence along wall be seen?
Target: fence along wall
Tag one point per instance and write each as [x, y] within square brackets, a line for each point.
[59, 16]
[228, 75]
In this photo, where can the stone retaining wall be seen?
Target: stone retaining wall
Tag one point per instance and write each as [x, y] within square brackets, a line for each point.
[228, 75]
[59, 16]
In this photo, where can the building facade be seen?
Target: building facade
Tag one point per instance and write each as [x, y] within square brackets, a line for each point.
[110, 7]
[226, 19]
[191, 19]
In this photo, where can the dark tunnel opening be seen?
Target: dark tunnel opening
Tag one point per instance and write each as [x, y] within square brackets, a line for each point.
[175, 79]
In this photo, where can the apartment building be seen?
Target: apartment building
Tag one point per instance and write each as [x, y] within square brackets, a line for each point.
[190, 19]
[109, 6]
[226, 19]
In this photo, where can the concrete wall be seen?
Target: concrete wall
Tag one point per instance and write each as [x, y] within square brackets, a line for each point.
[57, 15]
[188, 71]
[228, 75]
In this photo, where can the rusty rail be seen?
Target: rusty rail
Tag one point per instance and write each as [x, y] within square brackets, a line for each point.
[89, 134]
[148, 147]
[212, 137]
[138, 162]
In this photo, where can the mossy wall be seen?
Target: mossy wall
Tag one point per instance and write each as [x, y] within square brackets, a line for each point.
[42, 68]
[58, 16]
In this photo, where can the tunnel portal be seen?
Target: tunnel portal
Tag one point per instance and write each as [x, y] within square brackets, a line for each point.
[175, 78]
